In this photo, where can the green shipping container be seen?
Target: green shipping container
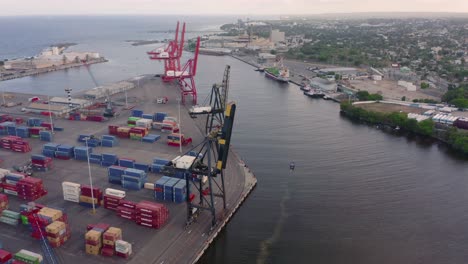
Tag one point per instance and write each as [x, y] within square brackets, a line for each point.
[24, 220]
[11, 214]
[26, 258]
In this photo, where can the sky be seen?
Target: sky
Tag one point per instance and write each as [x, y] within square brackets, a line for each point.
[221, 7]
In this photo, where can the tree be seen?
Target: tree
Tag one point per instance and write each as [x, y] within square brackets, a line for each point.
[460, 102]
[273, 52]
[337, 77]
[403, 98]
[424, 85]
[426, 127]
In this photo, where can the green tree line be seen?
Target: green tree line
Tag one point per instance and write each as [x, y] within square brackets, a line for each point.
[457, 96]
[456, 138]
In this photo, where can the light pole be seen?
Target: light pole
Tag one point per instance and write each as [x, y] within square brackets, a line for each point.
[179, 101]
[126, 100]
[50, 116]
[90, 177]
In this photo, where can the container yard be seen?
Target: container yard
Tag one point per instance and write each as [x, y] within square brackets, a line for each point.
[131, 211]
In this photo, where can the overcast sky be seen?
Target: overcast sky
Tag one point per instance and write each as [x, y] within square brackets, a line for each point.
[247, 7]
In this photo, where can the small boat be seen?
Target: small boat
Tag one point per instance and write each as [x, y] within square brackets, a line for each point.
[315, 93]
[292, 165]
[326, 97]
[260, 69]
[306, 88]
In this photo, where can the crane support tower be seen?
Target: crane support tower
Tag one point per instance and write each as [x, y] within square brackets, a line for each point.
[186, 76]
[170, 53]
[207, 160]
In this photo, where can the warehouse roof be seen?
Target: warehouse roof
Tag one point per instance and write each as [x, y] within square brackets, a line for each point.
[46, 107]
[63, 100]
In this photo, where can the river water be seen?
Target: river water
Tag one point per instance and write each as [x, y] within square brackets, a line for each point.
[358, 194]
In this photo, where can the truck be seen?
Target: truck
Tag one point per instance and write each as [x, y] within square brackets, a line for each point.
[34, 99]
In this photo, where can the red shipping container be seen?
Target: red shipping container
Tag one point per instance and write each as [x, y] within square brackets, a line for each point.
[107, 252]
[5, 256]
[47, 125]
[129, 217]
[86, 191]
[112, 198]
[123, 134]
[123, 255]
[127, 204]
[10, 187]
[113, 129]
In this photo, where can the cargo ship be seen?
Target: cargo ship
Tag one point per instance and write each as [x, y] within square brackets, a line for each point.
[280, 74]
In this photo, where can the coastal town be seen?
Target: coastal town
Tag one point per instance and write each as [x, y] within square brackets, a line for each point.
[52, 58]
[413, 65]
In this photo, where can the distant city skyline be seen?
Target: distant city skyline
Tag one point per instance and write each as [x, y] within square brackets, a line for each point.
[222, 7]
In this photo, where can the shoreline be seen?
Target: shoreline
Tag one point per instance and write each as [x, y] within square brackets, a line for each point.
[51, 69]
[448, 135]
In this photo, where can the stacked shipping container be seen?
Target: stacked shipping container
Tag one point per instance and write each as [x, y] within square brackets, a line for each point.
[10, 181]
[151, 214]
[30, 188]
[71, 191]
[109, 238]
[112, 198]
[87, 194]
[10, 217]
[57, 233]
[41, 162]
[14, 143]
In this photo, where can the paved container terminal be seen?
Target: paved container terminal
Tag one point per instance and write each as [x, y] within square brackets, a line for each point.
[174, 243]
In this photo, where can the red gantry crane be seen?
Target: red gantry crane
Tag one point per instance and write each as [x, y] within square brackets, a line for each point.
[187, 75]
[170, 53]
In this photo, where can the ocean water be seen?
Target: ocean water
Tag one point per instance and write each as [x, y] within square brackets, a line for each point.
[358, 194]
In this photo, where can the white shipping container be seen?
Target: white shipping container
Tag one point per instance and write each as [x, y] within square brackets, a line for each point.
[10, 192]
[115, 192]
[72, 199]
[71, 188]
[183, 162]
[146, 123]
[71, 184]
[3, 172]
[73, 194]
[123, 246]
[149, 186]
[156, 125]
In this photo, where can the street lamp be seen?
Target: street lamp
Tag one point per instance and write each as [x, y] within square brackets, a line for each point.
[50, 115]
[89, 172]
[179, 101]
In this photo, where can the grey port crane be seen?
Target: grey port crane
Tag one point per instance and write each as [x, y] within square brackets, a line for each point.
[109, 110]
[211, 154]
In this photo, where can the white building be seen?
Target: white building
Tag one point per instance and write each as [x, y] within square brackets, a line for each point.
[79, 103]
[277, 36]
[376, 77]
[408, 85]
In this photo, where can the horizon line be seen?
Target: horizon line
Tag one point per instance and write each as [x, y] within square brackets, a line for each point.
[236, 14]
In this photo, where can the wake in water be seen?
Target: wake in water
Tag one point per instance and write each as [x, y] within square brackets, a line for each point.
[266, 244]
